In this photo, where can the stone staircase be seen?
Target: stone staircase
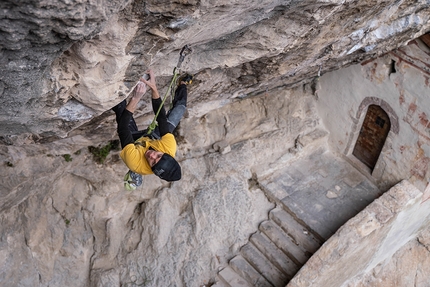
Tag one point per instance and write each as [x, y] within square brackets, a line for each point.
[273, 254]
[313, 198]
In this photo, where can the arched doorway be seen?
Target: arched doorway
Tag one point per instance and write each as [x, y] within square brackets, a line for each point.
[373, 133]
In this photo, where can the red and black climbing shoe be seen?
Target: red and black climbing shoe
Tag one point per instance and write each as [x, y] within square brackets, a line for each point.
[187, 79]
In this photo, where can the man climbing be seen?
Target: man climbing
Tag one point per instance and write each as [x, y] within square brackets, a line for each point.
[145, 153]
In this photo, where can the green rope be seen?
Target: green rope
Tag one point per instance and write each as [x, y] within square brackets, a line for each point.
[153, 125]
[184, 52]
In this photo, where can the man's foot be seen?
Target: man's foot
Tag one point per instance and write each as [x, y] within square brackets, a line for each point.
[186, 79]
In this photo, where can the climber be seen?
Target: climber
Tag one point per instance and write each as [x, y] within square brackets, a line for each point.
[154, 153]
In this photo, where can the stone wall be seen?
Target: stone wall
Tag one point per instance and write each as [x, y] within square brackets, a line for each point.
[387, 244]
[397, 82]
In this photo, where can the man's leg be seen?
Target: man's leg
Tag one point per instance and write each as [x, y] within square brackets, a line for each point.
[132, 126]
[176, 113]
[119, 109]
[127, 129]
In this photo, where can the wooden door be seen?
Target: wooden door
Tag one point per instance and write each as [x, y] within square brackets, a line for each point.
[373, 134]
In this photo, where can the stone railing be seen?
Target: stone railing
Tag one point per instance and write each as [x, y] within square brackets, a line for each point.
[371, 239]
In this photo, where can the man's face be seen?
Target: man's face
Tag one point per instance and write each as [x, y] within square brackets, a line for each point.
[153, 156]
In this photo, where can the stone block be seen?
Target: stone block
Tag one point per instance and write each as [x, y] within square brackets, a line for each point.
[277, 191]
[353, 180]
[264, 266]
[295, 230]
[404, 192]
[329, 249]
[246, 271]
[367, 225]
[309, 212]
[274, 254]
[381, 213]
[424, 237]
[284, 242]
[309, 272]
[231, 278]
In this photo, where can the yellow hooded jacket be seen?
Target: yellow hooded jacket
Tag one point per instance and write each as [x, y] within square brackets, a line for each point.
[133, 154]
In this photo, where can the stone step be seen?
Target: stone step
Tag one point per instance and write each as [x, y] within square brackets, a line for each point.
[217, 284]
[284, 242]
[298, 233]
[232, 279]
[263, 265]
[312, 217]
[246, 271]
[274, 254]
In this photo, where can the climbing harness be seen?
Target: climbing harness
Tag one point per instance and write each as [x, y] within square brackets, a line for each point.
[176, 71]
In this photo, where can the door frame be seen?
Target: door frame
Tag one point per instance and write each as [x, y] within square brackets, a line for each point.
[358, 120]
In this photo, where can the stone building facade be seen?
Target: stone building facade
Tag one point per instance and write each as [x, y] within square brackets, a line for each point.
[377, 114]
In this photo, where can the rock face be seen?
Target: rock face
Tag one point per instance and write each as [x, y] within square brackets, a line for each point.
[33, 36]
[66, 220]
[68, 61]
[162, 234]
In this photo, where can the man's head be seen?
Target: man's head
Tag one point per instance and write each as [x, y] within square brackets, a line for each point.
[153, 156]
[163, 165]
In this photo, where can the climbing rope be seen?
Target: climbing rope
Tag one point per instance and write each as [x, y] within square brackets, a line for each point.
[176, 71]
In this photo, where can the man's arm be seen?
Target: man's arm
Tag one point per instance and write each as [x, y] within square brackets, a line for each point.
[156, 103]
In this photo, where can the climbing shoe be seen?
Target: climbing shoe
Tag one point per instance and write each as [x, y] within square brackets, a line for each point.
[187, 79]
[132, 180]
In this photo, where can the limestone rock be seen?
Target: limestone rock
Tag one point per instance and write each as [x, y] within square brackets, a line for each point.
[222, 146]
[66, 220]
[97, 51]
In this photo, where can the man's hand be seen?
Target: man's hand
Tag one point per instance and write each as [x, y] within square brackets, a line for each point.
[151, 84]
[138, 92]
